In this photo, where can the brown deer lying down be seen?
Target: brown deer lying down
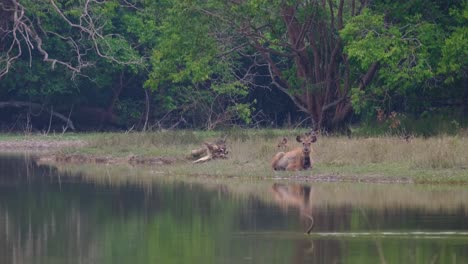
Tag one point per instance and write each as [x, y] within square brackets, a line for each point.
[298, 158]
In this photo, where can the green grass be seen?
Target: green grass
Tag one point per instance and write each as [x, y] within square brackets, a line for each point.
[435, 159]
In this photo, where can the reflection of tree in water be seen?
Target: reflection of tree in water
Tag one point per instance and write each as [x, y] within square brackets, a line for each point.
[16, 169]
[348, 218]
[34, 217]
[47, 216]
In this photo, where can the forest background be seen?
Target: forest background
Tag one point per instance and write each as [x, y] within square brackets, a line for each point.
[360, 66]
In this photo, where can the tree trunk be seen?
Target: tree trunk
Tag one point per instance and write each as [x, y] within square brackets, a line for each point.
[312, 50]
[465, 101]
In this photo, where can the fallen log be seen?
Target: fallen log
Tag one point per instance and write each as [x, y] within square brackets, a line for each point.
[196, 153]
[210, 151]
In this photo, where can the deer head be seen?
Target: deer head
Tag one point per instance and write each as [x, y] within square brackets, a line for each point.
[307, 139]
[283, 144]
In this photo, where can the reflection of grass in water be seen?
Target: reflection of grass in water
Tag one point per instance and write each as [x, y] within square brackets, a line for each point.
[430, 197]
[382, 197]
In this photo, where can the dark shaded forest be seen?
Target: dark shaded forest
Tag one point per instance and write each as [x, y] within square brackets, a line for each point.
[333, 65]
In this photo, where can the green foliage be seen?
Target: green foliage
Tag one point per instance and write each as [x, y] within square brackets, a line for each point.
[37, 82]
[186, 67]
[234, 88]
[243, 111]
[428, 124]
[109, 53]
[129, 111]
[415, 49]
[186, 53]
[403, 52]
[365, 39]
[454, 61]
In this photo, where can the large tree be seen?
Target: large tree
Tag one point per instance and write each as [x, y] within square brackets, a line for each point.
[297, 43]
[332, 56]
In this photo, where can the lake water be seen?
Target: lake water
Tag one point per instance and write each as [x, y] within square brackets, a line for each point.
[109, 214]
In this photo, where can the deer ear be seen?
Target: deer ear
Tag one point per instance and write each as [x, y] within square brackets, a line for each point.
[299, 139]
[313, 138]
[285, 140]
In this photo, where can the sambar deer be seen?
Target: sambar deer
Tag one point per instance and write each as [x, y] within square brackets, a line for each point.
[283, 144]
[298, 158]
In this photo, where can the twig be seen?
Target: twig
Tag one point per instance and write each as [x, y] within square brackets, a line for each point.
[50, 119]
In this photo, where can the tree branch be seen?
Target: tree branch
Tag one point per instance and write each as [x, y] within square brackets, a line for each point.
[21, 32]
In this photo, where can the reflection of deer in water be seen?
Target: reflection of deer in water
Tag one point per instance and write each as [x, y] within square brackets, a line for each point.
[298, 158]
[297, 196]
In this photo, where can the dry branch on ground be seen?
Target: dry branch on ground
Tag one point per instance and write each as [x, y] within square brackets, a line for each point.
[210, 151]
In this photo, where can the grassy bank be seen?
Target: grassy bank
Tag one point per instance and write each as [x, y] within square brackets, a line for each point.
[436, 159]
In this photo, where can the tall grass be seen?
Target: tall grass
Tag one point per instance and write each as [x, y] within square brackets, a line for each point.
[251, 151]
[437, 152]
[168, 143]
[247, 146]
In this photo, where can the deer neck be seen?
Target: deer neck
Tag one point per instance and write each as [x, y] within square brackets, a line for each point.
[307, 163]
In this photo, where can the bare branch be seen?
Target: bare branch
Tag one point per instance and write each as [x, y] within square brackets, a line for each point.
[283, 89]
[22, 33]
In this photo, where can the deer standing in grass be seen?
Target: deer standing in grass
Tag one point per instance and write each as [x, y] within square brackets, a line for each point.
[298, 158]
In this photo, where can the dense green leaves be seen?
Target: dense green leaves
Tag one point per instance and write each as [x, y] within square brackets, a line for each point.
[454, 61]
[416, 45]
[203, 63]
[186, 67]
[403, 52]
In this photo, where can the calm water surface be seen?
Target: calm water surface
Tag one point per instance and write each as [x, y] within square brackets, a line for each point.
[126, 215]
